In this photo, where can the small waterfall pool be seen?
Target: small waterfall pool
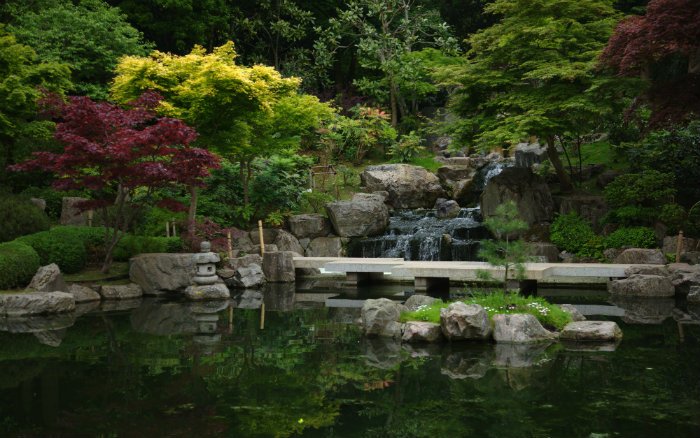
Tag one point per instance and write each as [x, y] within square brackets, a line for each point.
[420, 235]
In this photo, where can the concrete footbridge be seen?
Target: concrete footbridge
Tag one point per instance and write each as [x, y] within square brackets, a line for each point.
[428, 275]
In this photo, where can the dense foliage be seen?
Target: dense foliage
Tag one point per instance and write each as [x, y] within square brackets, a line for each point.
[19, 216]
[18, 264]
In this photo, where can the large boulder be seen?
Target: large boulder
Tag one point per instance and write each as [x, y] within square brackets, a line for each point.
[325, 247]
[421, 331]
[287, 242]
[408, 186]
[458, 181]
[35, 303]
[641, 256]
[591, 331]
[365, 215]
[639, 285]
[380, 317]
[529, 192]
[464, 321]
[684, 276]
[309, 226]
[83, 294]
[670, 245]
[446, 209]
[527, 154]
[592, 208]
[48, 279]
[576, 315]
[71, 214]
[247, 277]
[160, 272]
[278, 266]
[121, 292]
[547, 251]
[203, 292]
[519, 328]
[269, 235]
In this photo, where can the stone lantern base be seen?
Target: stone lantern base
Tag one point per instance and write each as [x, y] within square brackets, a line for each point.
[216, 291]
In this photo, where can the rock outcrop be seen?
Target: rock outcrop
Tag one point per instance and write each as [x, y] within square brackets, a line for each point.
[380, 318]
[421, 331]
[529, 192]
[460, 321]
[641, 256]
[638, 285]
[601, 331]
[157, 273]
[365, 215]
[48, 279]
[309, 226]
[121, 292]
[519, 329]
[36, 303]
[408, 186]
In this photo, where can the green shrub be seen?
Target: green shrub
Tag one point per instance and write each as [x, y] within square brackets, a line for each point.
[570, 232]
[429, 313]
[20, 217]
[18, 264]
[674, 217]
[593, 249]
[65, 249]
[130, 246]
[315, 202]
[635, 237]
[407, 148]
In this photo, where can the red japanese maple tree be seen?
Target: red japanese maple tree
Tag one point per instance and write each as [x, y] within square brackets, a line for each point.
[663, 46]
[120, 154]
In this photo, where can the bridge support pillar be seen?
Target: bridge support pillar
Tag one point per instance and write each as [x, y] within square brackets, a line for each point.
[528, 287]
[360, 278]
[431, 284]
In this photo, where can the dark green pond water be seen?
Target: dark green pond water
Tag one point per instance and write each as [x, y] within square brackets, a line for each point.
[169, 369]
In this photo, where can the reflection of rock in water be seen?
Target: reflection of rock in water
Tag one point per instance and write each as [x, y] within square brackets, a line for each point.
[421, 350]
[162, 318]
[644, 310]
[279, 296]
[520, 355]
[52, 338]
[36, 323]
[469, 364]
[344, 315]
[384, 353]
[591, 347]
[212, 306]
[249, 299]
[119, 305]
[86, 307]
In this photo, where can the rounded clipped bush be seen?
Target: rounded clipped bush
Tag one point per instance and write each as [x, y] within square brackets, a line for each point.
[571, 232]
[62, 247]
[130, 246]
[632, 237]
[18, 264]
[20, 217]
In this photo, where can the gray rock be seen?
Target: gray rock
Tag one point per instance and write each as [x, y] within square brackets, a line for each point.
[529, 192]
[417, 300]
[408, 186]
[573, 311]
[249, 299]
[380, 318]
[241, 242]
[547, 250]
[269, 235]
[83, 294]
[591, 208]
[567, 257]
[245, 261]
[648, 270]
[279, 266]
[308, 226]
[247, 277]
[120, 305]
[527, 154]
[641, 256]
[464, 321]
[670, 245]
[364, 215]
[591, 331]
[287, 242]
[159, 272]
[446, 209]
[268, 248]
[121, 291]
[519, 328]
[458, 181]
[36, 303]
[694, 295]
[40, 203]
[48, 279]
[420, 331]
[639, 285]
[508, 355]
[466, 365]
[325, 247]
[612, 253]
[216, 291]
[70, 213]
[86, 307]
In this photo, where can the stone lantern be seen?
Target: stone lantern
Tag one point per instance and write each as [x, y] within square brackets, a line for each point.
[208, 285]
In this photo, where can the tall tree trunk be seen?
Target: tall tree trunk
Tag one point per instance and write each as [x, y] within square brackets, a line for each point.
[553, 154]
[192, 212]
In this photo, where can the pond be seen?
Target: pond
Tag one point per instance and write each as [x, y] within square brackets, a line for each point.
[185, 370]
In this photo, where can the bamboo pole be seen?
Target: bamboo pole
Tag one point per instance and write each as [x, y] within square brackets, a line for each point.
[174, 229]
[230, 319]
[679, 246]
[262, 241]
[229, 247]
[167, 228]
[262, 316]
[90, 214]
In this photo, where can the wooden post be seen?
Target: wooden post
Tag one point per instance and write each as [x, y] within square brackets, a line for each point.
[229, 247]
[262, 316]
[174, 229]
[89, 217]
[679, 246]
[262, 241]
[230, 319]
[167, 228]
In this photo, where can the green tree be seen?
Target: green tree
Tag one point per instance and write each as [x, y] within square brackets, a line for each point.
[239, 112]
[88, 36]
[384, 33]
[505, 250]
[22, 76]
[534, 73]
